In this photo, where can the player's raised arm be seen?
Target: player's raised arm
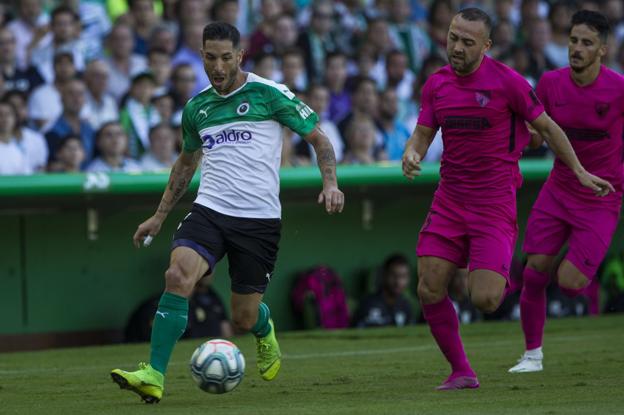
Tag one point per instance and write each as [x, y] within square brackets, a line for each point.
[331, 195]
[415, 149]
[560, 145]
[181, 174]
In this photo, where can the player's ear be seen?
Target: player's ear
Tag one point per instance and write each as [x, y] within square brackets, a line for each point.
[239, 56]
[487, 45]
[602, 51]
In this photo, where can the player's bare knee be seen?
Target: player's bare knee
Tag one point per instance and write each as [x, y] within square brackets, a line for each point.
[485, 302]
[573, 282]
[430, 293]
[177, 281]
[539, 263]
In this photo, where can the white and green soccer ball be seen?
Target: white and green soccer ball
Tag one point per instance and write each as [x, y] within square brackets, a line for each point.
[217, 366]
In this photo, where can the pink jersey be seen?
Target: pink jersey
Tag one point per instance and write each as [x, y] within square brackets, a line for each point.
[593, 118]
[482, 118]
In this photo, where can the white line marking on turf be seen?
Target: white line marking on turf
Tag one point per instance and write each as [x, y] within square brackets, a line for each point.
[305, 356]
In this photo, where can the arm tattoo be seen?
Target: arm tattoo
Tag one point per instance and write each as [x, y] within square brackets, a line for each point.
[179, 179]
[326, 160]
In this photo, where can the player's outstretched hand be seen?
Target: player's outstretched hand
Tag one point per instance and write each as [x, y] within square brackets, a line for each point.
[600, 186]
[411, 163]
[146, 231]
[333, 198]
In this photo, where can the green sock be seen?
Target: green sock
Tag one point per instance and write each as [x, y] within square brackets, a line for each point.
[262, 327]
[169, 325]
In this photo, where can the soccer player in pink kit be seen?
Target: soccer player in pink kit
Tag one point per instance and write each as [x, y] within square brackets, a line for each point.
[481, 106]
[587, 100]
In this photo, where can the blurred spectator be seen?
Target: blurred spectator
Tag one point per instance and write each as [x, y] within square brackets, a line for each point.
[225, 11]
[441, 13]
[364, 104]
[614, 10]
[538, 38]
[395, 133]
[183, 81]
[64, 36]
[101, 107]
[30, 24]
[389, 306]
[504, 10]
[44, 104]
[430, 66]
[336, 79]
[164, 105]
[188, 54]
[410, 38]
[318, 100]
[318, 39]
[165, 37]
[70, 156]
[265, 65]
[71, 121]
[283, 36]
[261, 36]
[12, 160]
[193, 11]
[400, 78]
[144, 20]
[372, 52]
[112, 144]
[159, 63]
[520, 59]
[360, 136]
[559, 17]
[14, 77]
[293, 71]
[94, 22]
[352, 18]
[123, 63]
[161, 154]
[31, 142]
[503, 38]
[139, 115]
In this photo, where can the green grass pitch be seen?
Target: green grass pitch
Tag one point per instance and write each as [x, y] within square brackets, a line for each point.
[374, 371]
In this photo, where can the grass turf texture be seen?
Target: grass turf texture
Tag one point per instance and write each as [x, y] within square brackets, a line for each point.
[373, 371]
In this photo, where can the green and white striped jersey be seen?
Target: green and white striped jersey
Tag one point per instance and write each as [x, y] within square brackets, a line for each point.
[241, 140]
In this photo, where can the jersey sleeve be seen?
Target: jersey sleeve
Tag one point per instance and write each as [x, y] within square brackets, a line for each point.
[542, 92]
[523, 100]
[426, 116]
[191, 141]
[288, 110]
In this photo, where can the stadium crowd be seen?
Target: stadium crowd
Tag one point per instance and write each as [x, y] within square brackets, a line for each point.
[100, 85]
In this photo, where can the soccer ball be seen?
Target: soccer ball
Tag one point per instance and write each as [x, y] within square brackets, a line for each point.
[217, 366]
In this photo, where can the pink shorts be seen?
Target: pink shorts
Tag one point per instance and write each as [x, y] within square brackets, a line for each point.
[480, 235]
[556, 218]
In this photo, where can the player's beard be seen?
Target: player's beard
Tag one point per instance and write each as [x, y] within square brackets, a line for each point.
[228, 80]
[464, 66]
[584, 63]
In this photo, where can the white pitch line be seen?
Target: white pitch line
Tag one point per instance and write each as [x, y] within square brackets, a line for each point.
[306, 356]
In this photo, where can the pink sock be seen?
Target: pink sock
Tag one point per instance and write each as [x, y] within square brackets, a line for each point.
[593, 294]
[533, 306]
[444, 326]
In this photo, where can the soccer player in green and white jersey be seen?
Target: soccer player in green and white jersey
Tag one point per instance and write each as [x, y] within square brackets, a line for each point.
[233, 128]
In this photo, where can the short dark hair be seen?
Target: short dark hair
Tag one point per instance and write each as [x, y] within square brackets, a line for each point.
[64, 10]
[594, 20]
[221, 31]
[474, 14]
[393, 260]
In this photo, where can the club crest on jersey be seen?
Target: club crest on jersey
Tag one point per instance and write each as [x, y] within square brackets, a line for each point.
[602, 108]
[483, 98]
[243, 108]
